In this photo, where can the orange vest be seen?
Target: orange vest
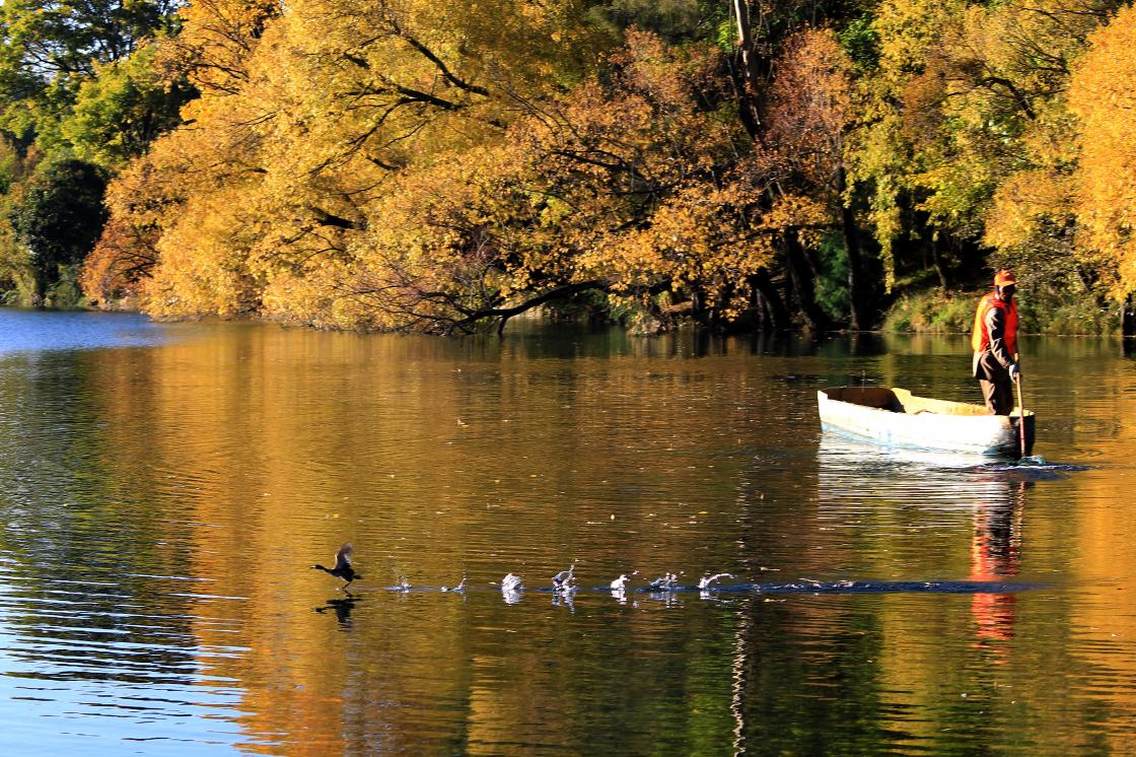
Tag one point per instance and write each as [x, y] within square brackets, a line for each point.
[980, 338]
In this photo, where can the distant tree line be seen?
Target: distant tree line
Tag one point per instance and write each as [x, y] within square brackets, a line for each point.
[409, 165]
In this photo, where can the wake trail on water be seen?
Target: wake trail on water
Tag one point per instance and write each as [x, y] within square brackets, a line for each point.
[1032, 468]
[801, 586]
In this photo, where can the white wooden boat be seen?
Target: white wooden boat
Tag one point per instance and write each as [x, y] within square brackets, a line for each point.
[896, 417]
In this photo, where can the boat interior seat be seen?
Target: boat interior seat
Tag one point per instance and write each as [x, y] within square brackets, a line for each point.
[869, 396]
[903, 401]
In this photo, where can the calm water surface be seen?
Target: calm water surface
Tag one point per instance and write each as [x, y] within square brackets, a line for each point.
[164, 488]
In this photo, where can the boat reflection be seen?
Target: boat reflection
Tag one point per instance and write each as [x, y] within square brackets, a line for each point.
[856, 480]
[859, 480]
[839, 450]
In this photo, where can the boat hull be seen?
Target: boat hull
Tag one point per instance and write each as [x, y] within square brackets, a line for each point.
[895, 417]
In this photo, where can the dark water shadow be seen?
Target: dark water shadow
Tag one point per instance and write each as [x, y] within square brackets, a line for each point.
[342, 607]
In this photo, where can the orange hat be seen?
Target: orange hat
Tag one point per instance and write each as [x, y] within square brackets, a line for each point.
[1005, 277]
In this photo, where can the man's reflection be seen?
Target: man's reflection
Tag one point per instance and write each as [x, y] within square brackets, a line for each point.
[995, 555]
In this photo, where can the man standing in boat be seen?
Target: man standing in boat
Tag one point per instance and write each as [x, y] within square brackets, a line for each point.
[995, 344]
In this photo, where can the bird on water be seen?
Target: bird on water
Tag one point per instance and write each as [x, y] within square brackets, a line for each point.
[342, 567]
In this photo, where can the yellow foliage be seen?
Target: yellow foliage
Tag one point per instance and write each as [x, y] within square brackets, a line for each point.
[810, 108]
[965, 113]
[216, 41]
[397, 164]
[894, 105]
[202, 269]
[1102, 93]
[403, 164]
[908, 30]
[1023, 204]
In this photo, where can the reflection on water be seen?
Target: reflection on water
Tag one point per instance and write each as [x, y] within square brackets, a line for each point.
[995, 554]
[162, 500]
[342, 608]
[31, 331]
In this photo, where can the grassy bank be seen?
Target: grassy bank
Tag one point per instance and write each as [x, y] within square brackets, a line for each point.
[917, 310]
[937, 312]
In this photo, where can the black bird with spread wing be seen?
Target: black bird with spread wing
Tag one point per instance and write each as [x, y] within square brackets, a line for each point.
[342, 567]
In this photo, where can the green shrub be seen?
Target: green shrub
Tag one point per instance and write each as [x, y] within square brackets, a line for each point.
[1083, 317]
[65, 293]
[933, 312]
[832, 278]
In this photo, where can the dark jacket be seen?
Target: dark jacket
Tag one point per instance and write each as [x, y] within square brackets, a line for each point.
[993, 363]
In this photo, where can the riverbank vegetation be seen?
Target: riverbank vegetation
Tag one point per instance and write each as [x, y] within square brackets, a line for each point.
[396, 164]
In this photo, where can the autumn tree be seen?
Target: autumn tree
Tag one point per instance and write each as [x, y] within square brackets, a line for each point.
[1034, 220]
[304, 116]
[383, 166]
[578, 195]
[959, 101]
[637, 185]
[396, 164]
[809, 117]
[211, 159]
[1103, 96]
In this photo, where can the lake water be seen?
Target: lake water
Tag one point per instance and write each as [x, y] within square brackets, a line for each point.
[163, 490]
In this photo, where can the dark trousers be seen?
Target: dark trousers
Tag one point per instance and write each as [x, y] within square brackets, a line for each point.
[998, 395]
[997, 388]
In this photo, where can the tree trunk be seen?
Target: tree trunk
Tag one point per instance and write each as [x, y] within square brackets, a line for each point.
[857, 297]
[1128, 317]
[801, 275]
[748, 65]
[39, 289]
[937, 263]
[773, 307]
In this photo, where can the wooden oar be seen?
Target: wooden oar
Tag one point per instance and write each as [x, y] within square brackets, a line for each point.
[1021, 415]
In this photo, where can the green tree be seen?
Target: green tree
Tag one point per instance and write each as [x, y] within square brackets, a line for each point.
[59, 219]
[49, 47]
[123, 109]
